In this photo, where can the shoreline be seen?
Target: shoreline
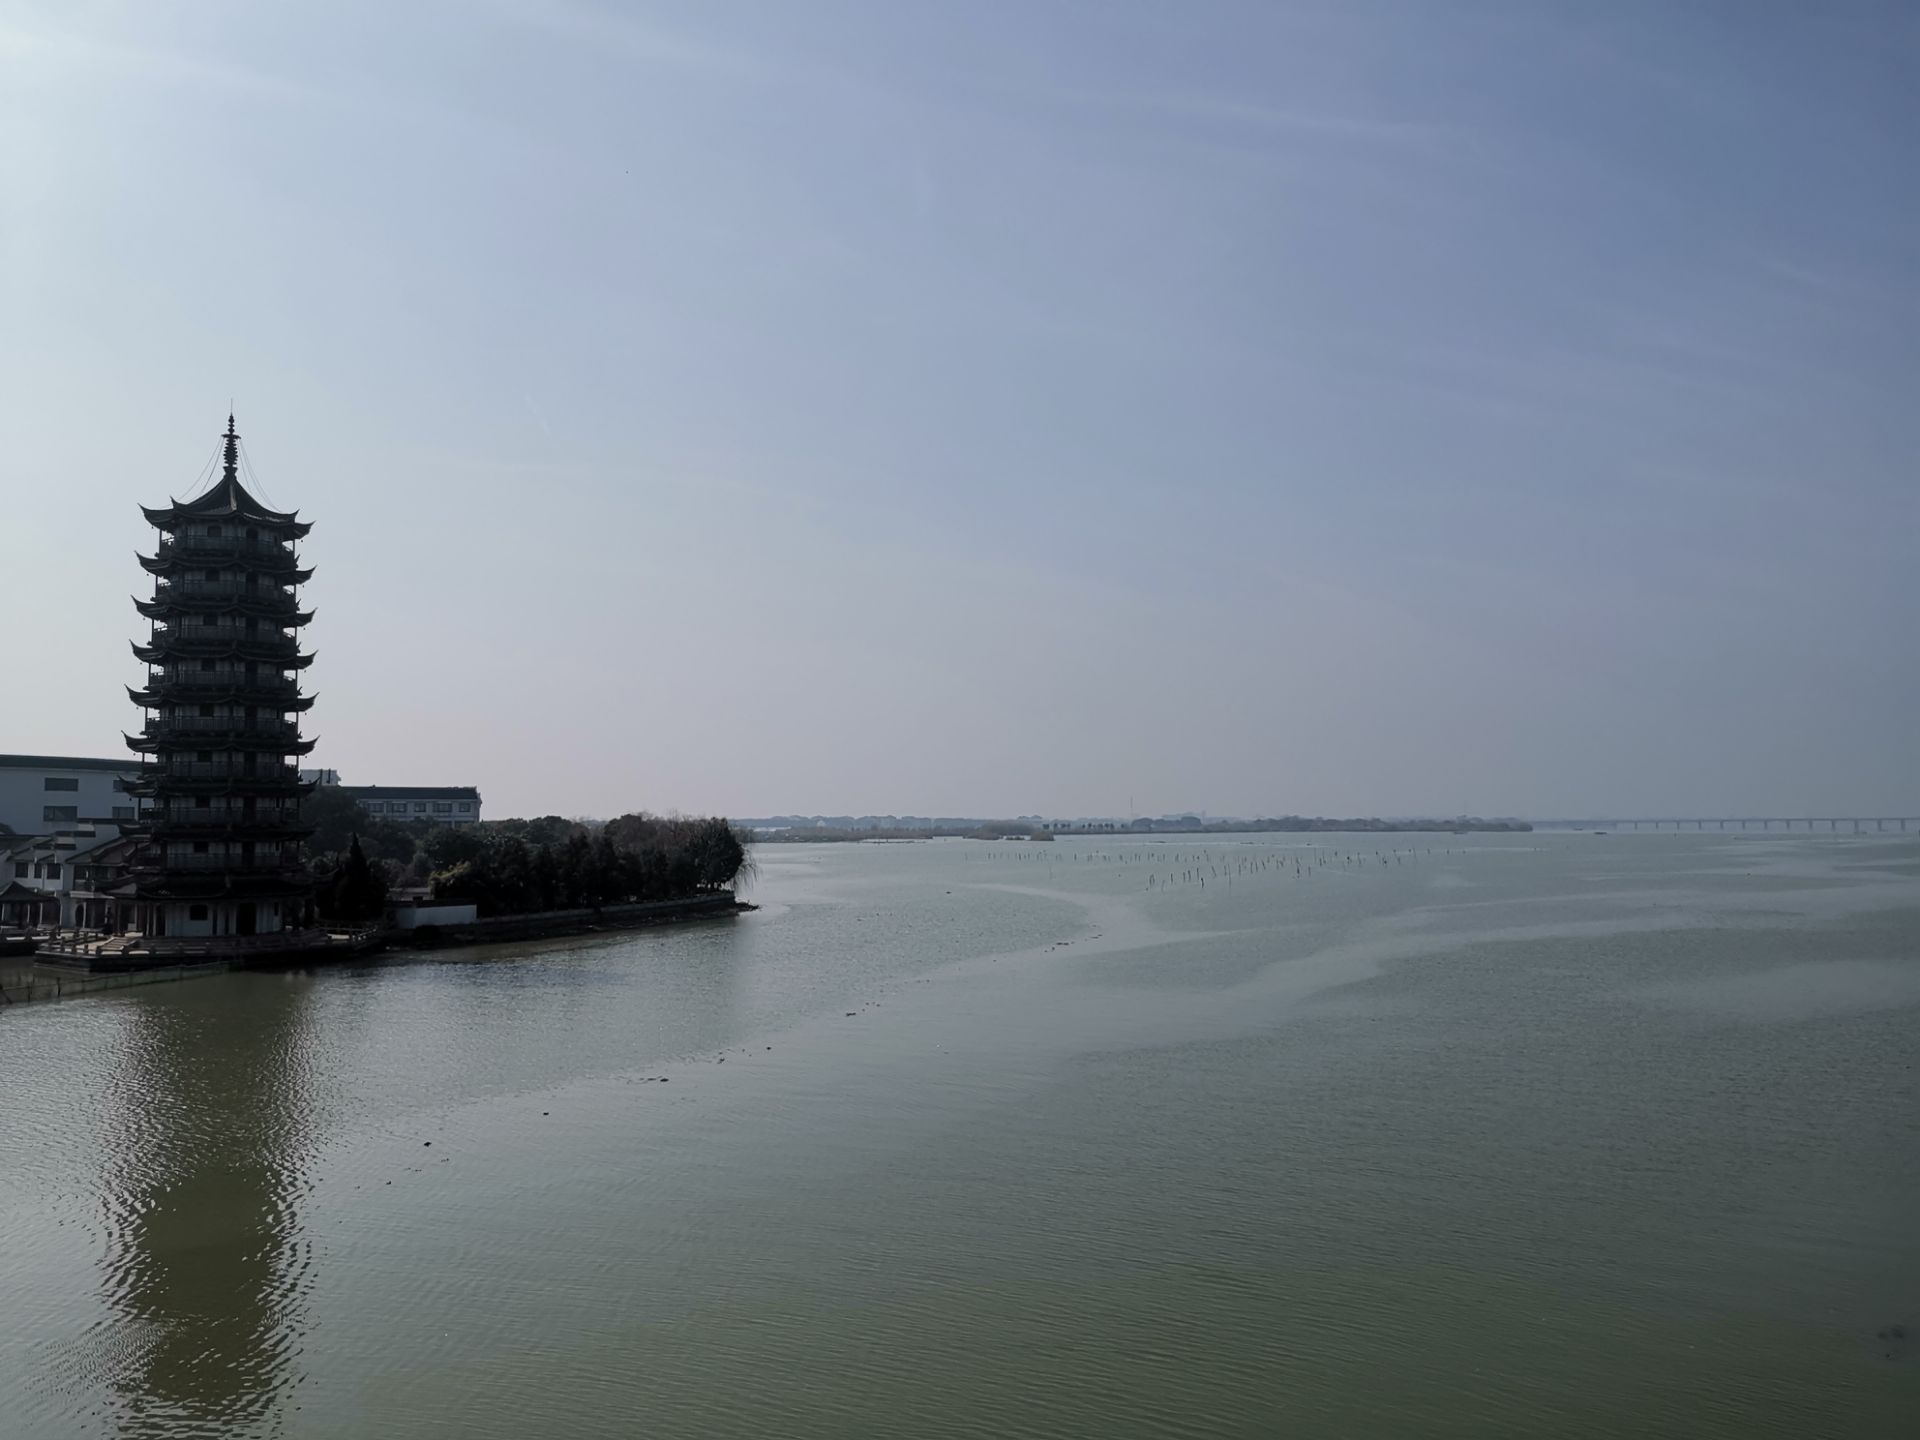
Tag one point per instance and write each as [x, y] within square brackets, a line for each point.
[544, 924]
[31, 979]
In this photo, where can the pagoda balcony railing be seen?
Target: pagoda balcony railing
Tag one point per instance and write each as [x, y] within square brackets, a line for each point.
[185, 809]
[202, 864]
[217, 816]
[200, 588]
[218, 827]
[215, 770]
[272, 680]
[222, 545]
[224, 633]
[271, 653]
[272, 697]
[162, 726]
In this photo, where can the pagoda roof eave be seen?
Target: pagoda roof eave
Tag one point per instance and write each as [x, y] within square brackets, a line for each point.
[241, 739]
[173, 516]
[155, 826]
[239, 694]
[225, 497]
[219, 605]
[172, 519]
[223, 887]
[287, 574]
[157, 784]
[238, 650]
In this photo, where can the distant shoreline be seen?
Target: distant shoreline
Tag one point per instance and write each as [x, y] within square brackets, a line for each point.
[1017, 830]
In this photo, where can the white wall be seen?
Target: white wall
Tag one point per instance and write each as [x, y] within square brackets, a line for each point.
[405, 917]
[179, 925]
[220, 919]
[454, 815]
[24, 797]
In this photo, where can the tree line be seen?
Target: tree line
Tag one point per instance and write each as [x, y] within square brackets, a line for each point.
[633, 858]
[510, 867]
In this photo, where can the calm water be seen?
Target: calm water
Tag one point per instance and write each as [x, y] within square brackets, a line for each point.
[1549, 1135]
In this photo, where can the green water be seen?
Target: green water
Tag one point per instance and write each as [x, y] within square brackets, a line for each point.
[1550, 1135]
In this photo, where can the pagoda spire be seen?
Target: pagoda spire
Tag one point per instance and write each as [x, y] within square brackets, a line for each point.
[233, 452]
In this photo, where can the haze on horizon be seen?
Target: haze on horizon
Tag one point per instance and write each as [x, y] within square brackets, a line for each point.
[1070, 407]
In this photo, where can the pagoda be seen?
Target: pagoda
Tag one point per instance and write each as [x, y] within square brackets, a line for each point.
[220, 784]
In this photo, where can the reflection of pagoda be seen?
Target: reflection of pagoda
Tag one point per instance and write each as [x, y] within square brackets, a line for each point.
[206, 1154]
[222, 701]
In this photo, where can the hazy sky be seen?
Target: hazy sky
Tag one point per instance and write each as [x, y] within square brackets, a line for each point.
[1073, 406]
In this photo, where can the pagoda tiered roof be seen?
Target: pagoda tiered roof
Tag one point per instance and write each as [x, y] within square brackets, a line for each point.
[272, 561]
[277, 605]
[281, 656]
[154, 783]
[172, 692]
[163, 884]
[162, 736]
[228, 499]
[158, 825]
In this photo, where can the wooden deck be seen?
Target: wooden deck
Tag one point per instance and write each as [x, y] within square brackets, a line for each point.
[97, 954]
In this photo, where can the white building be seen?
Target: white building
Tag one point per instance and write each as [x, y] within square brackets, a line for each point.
[85, 878]
[45, 794]
[442, 804]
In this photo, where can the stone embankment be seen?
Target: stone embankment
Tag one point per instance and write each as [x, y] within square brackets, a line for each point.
[540, 924]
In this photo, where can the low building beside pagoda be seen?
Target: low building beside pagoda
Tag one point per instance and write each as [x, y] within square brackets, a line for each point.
[221, 856]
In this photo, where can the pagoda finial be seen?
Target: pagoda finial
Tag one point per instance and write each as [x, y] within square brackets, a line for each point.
[233, 450]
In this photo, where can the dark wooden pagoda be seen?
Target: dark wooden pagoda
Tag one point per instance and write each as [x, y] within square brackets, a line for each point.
[221, 863]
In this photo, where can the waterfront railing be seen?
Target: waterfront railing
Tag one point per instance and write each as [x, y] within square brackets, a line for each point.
[161, 725]
[222, 545]
[214, 770]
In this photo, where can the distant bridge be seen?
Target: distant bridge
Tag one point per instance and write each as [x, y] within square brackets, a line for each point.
[1856, 824]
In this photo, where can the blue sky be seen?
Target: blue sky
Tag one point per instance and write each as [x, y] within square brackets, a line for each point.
[1048, 406]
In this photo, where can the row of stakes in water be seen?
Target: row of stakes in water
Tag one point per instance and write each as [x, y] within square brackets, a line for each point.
[1223, 867]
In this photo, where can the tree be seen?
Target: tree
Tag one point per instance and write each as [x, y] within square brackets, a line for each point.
[457, 883]
[605, 869]
[575, 864]
[549, 830]
[501, 867]
[545, 876]
[723, 855]
[335, 817]
[357, 892]
[447, 845]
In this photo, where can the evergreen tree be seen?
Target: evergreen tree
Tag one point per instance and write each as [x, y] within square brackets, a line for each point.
[576, 866]
[606, 870]
[357, 892]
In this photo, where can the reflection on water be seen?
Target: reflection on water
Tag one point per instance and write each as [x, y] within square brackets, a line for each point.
[1573, 1138]
[205, 1266]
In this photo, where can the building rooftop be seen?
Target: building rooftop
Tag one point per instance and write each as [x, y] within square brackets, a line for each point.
[67, 762]
[412, 792]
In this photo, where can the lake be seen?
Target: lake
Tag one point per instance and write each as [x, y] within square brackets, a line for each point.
[1503, 1135]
